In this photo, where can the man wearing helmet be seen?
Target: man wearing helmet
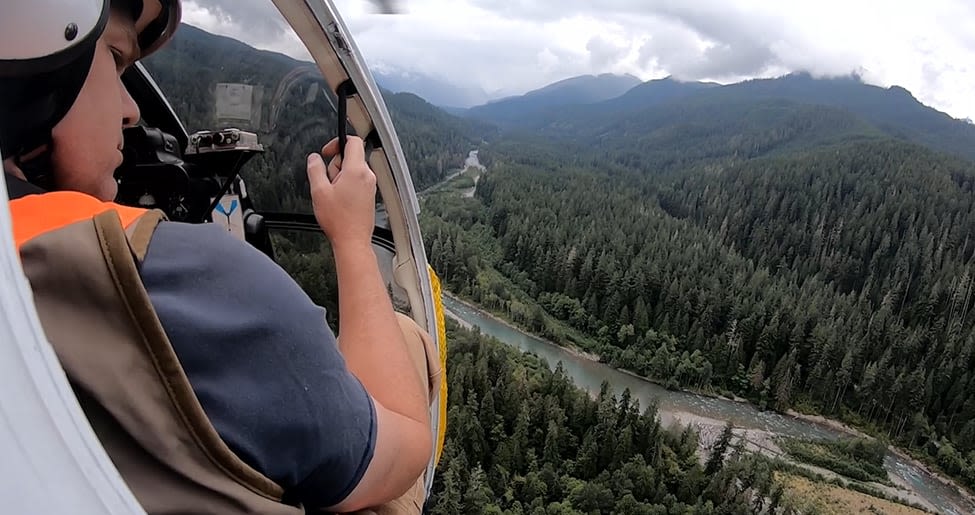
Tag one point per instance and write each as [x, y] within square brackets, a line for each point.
[212, 392]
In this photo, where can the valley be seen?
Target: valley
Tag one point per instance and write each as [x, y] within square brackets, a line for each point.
[759, 430]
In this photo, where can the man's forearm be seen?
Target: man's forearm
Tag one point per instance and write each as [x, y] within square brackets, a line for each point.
[370, 337]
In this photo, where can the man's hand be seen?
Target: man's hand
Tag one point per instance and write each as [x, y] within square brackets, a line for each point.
[344, 194]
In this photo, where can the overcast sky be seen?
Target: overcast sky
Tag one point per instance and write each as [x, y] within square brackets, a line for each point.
[511, 46]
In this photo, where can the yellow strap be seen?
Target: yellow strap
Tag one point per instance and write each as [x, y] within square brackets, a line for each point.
[442, 346]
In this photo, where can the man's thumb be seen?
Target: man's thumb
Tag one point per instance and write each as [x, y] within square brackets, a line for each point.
[317, 174]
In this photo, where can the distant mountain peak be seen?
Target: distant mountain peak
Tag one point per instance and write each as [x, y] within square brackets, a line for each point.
[614, 82]
[581, 89]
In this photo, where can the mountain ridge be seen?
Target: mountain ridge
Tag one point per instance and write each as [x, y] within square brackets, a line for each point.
[893, 110]
[582, 89]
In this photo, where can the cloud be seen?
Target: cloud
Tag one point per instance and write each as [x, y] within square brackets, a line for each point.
[687, 54]
[255, 22]
[603, 51]
[260, 21]
[511, 46]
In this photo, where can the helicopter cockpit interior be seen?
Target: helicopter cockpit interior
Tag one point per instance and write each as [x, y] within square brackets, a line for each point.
[223, 139]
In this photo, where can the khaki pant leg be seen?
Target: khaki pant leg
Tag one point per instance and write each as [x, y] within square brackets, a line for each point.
[424, 356]
[423, 352]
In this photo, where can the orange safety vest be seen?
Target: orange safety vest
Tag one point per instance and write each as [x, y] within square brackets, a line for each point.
[81, 256]
[34, 215]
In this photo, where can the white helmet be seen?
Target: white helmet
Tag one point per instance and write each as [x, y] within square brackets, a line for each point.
[46, 51]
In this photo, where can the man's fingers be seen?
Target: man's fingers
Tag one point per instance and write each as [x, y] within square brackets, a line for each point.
[334, 168]
[331, 148]
[317, 174]
[354, 149]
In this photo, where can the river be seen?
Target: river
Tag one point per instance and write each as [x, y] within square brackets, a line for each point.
[470, 162]
[710, 413]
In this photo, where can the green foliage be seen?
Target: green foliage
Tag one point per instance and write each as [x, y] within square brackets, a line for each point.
[692, 119]
[839, 278]
[780, 465]
[523, 439]
[461, 182]
[858, 459]
[434, 142]
[716, 459]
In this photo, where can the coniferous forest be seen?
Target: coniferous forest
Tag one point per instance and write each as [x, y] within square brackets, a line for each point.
[522, 439]
[837, 280]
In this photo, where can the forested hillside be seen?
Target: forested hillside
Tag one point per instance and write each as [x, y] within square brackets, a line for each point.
[522, 439]
[434, 142]
[838, 280]
[586, 89]
[695, 106]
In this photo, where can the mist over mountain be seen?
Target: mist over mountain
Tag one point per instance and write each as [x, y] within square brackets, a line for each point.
[435, 91]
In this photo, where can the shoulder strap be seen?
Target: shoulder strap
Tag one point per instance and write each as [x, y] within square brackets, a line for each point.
[99, 318]
[118, 250]
[140, 233]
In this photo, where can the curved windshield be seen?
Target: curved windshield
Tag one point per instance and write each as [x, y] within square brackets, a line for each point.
[240, 65]
[213, 83]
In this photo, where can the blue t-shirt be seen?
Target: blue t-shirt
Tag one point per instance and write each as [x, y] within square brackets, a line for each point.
[262, 361]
